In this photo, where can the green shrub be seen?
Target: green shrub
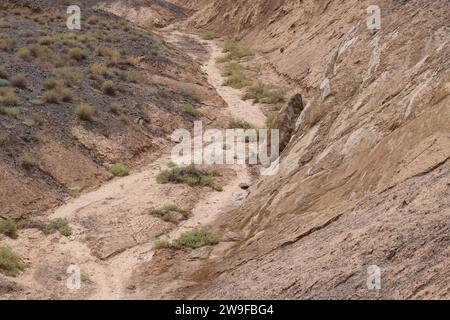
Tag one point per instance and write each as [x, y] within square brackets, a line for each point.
[190, 109]
[10, 263]
[11, 111]
[260, 92]
[119, 170]
[233, 51]
[61, 225]
[8, 228]
[85, 112]
[4, 82]
[192, 239]
[189, 175]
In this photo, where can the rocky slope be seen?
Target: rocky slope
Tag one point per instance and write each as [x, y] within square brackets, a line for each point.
[366, 178]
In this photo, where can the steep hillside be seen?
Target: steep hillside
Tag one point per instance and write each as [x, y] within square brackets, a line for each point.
[365, 179]
[75, 102]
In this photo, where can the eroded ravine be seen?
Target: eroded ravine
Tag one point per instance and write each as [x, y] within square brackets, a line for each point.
[113, 217]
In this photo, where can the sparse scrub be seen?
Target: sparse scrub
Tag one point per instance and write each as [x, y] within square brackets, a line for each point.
[8, 228]
[189, 175]
[10, 263]
[61, 225]
[190, 109]
[51, 96]
[119, 170]
[101, 68]
[71, 76]
[46, 41]
[192, 239]
[107, 52]
[3, 82]
[85, 112]
[93, 20]
[11, 112]
[235, 76]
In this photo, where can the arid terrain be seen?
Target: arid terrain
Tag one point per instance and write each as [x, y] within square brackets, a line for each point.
[88, 181]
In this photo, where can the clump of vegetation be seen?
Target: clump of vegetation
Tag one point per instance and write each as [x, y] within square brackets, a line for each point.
[57, 93]
[46, 41]
[101, 68]
[11, 111]
[235, 76]
[239, 124]
[3, 73]
[85, 112]
[234, 51]
[190, 109]
[8, 97]
[171, 213]
[8, 227]
[193, 239]
[19, 81]
[119, 170]
[27, 161]
[93, 20]
[61, 225]
[260, 92]
[189, 175]
[10, 263]
[108, 88]
[71, 76]
[107, 52]
[208, 35]
[7, 44]
[4, 138]
[3, 82]
[76, 54]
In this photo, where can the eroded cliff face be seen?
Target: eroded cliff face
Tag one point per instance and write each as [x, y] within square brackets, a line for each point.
[365, 179]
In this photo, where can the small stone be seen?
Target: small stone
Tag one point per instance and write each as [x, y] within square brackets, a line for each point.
[244, 186]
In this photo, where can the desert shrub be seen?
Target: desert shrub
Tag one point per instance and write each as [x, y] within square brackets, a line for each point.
[4, 82]
[61, 225]
[239, 124]
[9, 97]
[11, 111]
[29, 121]
[189, 175]
[117, 108]
[46, 41]
[19, 81]
[71, 76]
[7, 44]
[190, 109]
[131, 76]
[208, 35]
[66, 94]
[108, 87]
[76, 54]
[24, 54]
[259, 92]
[93, 20]
[10, 263]
[119, 170]
[51, 96]
[193, 239]
[234, 52]
[54, 83]
[27, 161]
[85, 112]
[106, 52]
[36, 101]
[101, 68]
[170, 213]
[3, 73]
[38, 51]
[4, 25]
[237, 80]
[4, 137]
[8, 228]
